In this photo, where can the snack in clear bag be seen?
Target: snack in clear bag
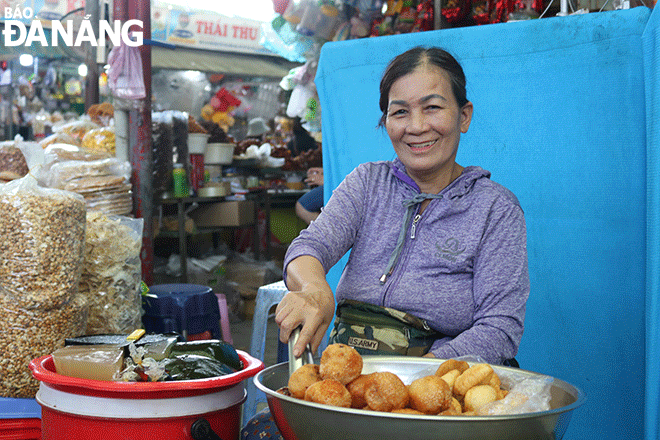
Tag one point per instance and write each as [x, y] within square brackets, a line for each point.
[111, 273]
[528, 395]
[102, 113]
[110, 202]
[28, 333]
[100, 139]
[43, 233]
[59, 138]
[76, 129]
[62, 152]
[12, 162]
[74, 175]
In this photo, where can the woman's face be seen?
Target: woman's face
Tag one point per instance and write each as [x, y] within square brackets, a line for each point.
[424, 122]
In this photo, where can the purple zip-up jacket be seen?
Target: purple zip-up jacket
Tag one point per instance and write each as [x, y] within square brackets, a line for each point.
[462, 267]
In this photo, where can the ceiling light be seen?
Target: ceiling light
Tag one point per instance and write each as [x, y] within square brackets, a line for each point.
[26, 60]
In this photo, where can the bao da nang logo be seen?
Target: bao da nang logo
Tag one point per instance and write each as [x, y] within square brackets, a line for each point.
[17, 33]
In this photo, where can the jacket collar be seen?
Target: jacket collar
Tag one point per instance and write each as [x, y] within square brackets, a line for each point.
[459, 187]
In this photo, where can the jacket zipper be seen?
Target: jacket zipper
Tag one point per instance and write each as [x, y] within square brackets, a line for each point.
[385, 276]
[414, 225]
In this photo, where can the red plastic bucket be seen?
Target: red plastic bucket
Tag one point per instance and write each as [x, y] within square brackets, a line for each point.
[20, 429]
[73, 408]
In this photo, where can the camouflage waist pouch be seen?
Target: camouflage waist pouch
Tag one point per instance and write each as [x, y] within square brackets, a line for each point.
[373, 329]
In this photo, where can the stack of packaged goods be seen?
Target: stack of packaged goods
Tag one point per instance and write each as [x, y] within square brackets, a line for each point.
[101, 179]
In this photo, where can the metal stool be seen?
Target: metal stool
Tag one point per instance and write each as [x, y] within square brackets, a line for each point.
[267, 296]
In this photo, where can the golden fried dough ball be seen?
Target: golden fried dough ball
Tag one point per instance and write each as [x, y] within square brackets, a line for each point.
[477, 374]
[386, 392]
[495, 381]
[429, 394]
[329, 392]
[356, 387]
[451, 364]
[284, 391]
[407, 411]
[340, 362]
[302, 378]
[455, 409]
[478, 396]
[450, 378]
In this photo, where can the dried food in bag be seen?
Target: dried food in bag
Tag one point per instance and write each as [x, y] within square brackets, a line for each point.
[28, 334]
[101, 113]
[76, 129]
[59, 138]
[43, 233]
[100, 139]
[74, 175]
[12, 163]
[111, 273]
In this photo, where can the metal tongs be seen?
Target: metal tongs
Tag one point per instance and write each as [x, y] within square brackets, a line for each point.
[306, 358]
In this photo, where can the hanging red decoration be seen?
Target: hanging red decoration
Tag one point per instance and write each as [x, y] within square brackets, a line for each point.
[223, 99]
[279, 6]
[480, 13]
[455, 10]
[424, 20]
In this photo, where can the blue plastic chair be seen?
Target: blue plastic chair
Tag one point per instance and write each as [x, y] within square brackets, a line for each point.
[267, 296]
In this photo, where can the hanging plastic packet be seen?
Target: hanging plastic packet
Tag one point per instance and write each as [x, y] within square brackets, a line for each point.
[125, 74]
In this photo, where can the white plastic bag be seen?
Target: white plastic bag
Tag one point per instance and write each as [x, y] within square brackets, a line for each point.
[125, 74]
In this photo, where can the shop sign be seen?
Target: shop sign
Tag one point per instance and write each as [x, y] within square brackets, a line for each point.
[180, 26]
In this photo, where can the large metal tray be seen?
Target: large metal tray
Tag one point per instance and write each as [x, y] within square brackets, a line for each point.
[301, 420]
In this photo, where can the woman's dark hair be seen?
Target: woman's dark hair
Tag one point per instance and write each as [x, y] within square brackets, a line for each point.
[408, 61]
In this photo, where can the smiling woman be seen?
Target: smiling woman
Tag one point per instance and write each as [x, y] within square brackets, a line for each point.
[431, 240]
[427, 236]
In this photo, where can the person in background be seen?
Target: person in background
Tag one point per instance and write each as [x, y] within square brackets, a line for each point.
[301, 140]
[257, 129]
[308, 206]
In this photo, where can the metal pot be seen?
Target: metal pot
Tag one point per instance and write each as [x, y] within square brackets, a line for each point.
[301, 420]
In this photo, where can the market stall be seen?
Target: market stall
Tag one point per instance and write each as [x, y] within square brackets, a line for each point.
[551, 132]
[584, 209]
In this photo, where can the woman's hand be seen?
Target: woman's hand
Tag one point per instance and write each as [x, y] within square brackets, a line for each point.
[314, 176]
[313, 308]
[310, 304]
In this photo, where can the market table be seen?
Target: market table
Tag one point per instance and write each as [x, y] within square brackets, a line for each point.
[265, 199]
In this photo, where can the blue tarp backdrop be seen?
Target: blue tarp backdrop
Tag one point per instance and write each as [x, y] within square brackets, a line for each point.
[565, 115]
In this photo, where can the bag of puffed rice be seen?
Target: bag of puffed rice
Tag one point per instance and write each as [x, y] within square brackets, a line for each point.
[42, 233]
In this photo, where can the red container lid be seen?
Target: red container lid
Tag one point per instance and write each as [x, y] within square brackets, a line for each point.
[43, 369]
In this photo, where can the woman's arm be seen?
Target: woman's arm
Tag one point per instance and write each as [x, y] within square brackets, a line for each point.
[311, 302]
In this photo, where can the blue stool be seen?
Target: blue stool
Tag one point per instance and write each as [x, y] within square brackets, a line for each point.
[188, 309]
[267, 296]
